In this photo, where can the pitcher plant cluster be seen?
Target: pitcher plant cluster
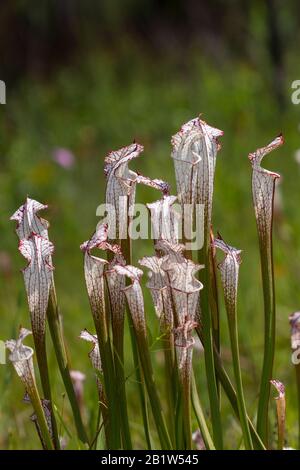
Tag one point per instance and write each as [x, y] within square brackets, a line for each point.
[185, 281]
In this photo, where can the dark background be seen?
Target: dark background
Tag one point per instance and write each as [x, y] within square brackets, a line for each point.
[38, 37]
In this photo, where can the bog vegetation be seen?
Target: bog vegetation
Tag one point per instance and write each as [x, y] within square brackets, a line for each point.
[185, 286]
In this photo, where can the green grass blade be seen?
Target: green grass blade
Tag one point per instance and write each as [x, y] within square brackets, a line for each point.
[55, 328]
[140, 384]
[208, 350]
[200, 417]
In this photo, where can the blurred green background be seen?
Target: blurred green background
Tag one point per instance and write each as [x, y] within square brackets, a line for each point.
[83, 78]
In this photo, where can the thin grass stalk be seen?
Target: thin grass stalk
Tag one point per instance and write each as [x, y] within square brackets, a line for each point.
[56, 332]
[170, 380]
[263, 189]
[183, 411]
[232, 397]
[214, 305]
[94, 442]
[231, 394]
[103, 412]
[179, 428]
[144, 355]
[171, 377]
[199, 414]
[109, 383]
[118, 348]
[214, 297]
[41, 356]
[269, 344]
[98, 442]
[145, 375]
[239, 387]
[185, 385]
[139, 376]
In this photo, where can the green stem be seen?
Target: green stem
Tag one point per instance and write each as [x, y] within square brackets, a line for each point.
[186, 395]
[118, 344]
[41, 355]
[231, 394]
[179, 434]
[38, 408]
[94, 442]
[214, 306]
[140, 383]
[145, 359]
[200, 417]
[106, 355]
[204, 258]
[105, 420]
[214, 303]
[117, 324]
[267, 271]
[239, 386]
[171, 382]
[126, 250]
[61, 356]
